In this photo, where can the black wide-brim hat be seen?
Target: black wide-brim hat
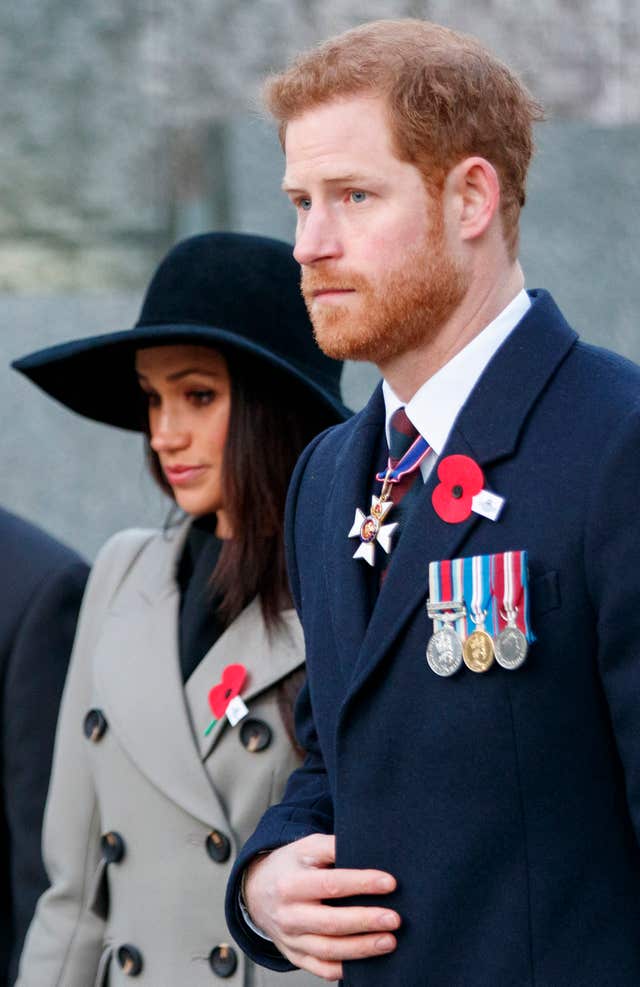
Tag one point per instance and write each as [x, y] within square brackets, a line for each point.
[227, 290]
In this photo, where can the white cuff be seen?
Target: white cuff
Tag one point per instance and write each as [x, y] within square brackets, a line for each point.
[245, 911]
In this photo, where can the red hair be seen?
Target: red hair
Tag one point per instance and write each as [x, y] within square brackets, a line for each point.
[448, 98]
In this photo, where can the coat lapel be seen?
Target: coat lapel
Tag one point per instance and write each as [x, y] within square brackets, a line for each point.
[138, 681]
[348, 579]
[487, 430]
[268, 657]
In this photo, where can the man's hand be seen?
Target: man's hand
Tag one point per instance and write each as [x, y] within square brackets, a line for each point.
[285, 892]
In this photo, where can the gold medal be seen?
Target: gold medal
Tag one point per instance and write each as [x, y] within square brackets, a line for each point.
[478, 652]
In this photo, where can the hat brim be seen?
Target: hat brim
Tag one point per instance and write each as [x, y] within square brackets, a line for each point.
[96, 378]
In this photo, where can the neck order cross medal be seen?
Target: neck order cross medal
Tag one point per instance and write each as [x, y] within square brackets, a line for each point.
[370, 528]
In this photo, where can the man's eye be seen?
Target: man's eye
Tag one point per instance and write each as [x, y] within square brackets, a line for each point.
[304, 204]
[357, 196]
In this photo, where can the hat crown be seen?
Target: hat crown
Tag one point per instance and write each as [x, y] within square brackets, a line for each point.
[232, 290]
[245, 285]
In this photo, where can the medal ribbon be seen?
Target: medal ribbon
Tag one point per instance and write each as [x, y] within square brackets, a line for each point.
[409, 462]
[477, 593]
[510, 588]
[457, 574]
[446, 584]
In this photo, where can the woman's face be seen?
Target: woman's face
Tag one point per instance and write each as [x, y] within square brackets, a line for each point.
[189, 402]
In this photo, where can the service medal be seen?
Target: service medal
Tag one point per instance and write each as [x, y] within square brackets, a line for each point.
[510, 585]
[446, 608]
[511, 647]
[444, 652]
[478, 651]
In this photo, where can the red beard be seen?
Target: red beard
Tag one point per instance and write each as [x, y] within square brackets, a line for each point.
[402, 310]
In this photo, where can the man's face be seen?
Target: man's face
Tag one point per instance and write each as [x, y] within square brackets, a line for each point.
[378, 275]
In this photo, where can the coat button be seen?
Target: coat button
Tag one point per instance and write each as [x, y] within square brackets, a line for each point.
[95, 725]
[130, 960]
[223, 960]
[255, 735]
[112, 846]
[218, 846]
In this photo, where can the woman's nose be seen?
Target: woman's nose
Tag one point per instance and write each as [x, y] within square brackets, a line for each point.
[168, 433]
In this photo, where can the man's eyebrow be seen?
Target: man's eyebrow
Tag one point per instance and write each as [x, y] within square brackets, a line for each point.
[347, 179]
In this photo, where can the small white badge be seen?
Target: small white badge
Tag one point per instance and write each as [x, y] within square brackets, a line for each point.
[236, 711]
[487, 504]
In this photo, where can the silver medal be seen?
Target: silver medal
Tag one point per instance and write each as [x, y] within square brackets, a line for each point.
[511, 647]
[444, 652]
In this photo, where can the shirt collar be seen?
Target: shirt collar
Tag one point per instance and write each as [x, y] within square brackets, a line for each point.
[435, 406]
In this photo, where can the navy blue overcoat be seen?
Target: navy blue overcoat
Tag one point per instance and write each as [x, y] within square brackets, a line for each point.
[507, 804]
[41, 584]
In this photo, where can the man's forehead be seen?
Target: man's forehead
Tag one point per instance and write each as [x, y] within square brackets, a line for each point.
[337, 141]
[338, 117]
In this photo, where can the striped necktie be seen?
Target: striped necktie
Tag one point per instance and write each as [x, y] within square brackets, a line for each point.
[402, 435]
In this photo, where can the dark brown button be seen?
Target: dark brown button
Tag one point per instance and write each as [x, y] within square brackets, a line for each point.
[255, 735]
[457, 491]
[223, 960]
[130, 960]
[218, 846]
[95, 725]
[112, 846]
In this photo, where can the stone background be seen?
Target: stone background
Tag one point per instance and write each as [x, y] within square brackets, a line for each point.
[126, 126]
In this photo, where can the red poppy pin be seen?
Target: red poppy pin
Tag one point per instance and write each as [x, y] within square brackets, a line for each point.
[460, 491]
[222, 694]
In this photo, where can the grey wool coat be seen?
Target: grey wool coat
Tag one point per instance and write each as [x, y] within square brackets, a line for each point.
[145, 814]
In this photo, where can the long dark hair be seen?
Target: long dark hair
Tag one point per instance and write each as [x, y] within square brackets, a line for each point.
[273, 418]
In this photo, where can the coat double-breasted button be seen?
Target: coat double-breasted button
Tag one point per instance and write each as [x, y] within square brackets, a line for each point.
[223, 960]
[255, 735]
[218, 846]
[130, 960]
[112, 846]
[95, 725]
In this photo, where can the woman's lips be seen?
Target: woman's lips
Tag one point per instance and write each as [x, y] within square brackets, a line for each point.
[182, 476]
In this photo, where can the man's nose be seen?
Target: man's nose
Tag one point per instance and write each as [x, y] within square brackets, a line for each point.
[317, 236]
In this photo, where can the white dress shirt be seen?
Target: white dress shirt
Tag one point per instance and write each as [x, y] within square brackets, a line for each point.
[435, 406]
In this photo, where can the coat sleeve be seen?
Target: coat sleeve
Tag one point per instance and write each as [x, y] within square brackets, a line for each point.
[34, 678]
[306, 806]
[65, 939]
[612, 561]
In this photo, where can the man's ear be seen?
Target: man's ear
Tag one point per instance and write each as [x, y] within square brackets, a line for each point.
[474, 191]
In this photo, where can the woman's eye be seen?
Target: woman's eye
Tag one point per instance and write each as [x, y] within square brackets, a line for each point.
[152, 399]
[202, 397]
[357, 196]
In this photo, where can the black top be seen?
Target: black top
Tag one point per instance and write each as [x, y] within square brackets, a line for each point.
[199, 626]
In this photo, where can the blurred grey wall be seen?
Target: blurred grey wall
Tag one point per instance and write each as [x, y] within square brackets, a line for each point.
[128, 127]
